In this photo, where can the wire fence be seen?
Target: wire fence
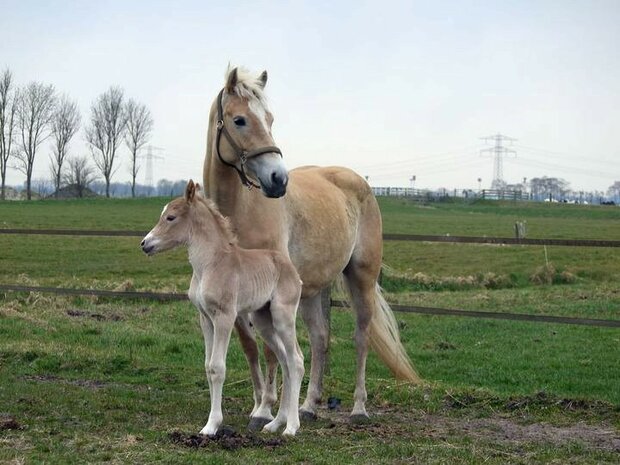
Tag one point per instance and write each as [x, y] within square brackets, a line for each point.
[159, 296]
[177, 296]
[386, 237]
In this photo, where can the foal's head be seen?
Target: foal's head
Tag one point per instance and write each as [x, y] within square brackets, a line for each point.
[248, 121]
[174, 225]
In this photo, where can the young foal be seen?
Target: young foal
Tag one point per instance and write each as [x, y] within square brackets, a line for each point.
[228, 281]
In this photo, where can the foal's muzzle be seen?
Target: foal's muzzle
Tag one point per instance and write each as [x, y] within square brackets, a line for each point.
[147, 248]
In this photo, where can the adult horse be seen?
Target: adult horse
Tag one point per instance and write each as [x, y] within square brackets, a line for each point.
[328, 222]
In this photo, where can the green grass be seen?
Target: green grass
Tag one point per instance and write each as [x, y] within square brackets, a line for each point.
[114, 389]
[112, 382]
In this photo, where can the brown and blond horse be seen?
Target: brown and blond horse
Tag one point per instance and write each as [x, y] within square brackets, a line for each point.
[326, 219]
[228, 283]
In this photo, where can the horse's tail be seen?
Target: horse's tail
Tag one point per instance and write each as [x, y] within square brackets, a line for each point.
[385, 340]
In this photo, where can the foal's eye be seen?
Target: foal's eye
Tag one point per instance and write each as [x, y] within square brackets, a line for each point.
[170, 218]
[239, 120]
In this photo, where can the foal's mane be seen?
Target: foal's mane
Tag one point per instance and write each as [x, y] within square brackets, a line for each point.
[248, 85]
[221, 220]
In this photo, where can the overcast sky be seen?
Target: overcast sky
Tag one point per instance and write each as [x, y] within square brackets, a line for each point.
[391, 89]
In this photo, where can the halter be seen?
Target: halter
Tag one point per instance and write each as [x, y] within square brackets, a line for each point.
[241, 153]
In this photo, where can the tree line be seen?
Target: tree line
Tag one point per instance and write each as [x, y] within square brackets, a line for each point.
[35, 113]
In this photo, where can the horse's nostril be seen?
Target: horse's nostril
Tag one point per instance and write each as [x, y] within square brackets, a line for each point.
[275, 178]
[142, 243]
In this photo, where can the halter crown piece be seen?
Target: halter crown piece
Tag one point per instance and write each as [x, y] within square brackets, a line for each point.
[242, 154]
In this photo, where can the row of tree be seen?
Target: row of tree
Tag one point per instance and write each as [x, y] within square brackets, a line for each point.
[35, 112]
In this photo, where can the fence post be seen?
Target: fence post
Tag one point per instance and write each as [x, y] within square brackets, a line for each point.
[326, 308]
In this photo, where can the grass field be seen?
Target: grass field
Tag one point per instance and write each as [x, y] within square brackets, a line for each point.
[85, 380]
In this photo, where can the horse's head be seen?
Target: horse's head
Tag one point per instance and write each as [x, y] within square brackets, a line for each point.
[174, 225]
[243, 140]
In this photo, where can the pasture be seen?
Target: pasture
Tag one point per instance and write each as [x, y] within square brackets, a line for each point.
[103, 380]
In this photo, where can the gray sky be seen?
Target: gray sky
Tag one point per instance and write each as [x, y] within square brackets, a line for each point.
[390, 89]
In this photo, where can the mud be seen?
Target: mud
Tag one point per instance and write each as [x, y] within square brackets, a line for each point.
[226, 438]
[95, 316]
[495, 429]
[9, 423]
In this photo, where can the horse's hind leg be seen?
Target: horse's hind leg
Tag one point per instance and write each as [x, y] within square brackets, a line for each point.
[318, 330]
[261, 413]
[362, 300]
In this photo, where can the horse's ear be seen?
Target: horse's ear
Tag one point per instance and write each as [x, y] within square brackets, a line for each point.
[190, 191]
[262, 79]
[231, 81]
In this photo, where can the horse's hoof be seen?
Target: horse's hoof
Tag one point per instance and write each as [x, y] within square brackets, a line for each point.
[307, 416]
[359, 419]
[257, 423]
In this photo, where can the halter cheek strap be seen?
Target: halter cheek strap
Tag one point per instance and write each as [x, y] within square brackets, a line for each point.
[242, 154]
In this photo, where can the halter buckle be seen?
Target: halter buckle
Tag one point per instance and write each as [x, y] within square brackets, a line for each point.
[219, 124]
[243, 158]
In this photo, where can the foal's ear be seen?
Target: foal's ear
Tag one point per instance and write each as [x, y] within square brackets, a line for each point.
[262, 79]
[190, 191]
[231, 81]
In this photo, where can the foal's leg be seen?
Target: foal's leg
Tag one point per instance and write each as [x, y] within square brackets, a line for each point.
[318, 330]
[262, 320]
[223, 323]
[207, 334]
[261, 413]
[283, 318]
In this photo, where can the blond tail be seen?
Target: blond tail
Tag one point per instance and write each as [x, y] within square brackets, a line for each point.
[385, 340]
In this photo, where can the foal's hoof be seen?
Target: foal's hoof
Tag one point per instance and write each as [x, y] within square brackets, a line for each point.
[307, 416]
[359, 419]
[257, 423]
[225, 432]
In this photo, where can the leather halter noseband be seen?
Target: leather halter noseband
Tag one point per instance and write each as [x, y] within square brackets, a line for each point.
[241, 153]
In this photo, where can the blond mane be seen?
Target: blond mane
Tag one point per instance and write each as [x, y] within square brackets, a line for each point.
[248, 84]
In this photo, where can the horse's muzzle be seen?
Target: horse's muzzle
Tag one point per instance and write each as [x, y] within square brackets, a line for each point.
[271, 173]
[276, 187]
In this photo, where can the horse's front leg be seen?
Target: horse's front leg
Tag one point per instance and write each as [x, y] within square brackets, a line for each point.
[318, 330]
[223, 322]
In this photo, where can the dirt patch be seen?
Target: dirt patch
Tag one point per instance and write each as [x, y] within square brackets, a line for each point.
[10, 423]
[88, 383]
[95, 316]
[226, 438]
[390, 423]
[500, 430]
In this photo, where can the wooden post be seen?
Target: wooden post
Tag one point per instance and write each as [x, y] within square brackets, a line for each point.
[326, 308]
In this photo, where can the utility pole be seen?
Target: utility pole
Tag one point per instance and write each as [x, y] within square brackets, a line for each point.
[150, 156]
[498, 151]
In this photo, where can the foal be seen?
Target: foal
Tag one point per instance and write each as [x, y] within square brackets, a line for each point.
[227, 281]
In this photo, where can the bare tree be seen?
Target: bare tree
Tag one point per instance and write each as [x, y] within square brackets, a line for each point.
[614, 190]
[139, 127]
[65, 125]
[35, 110]
[8, 108]
[79, 175]
[106, 130]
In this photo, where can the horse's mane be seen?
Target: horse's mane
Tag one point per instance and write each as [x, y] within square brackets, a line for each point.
[222, 221]
[248, 85]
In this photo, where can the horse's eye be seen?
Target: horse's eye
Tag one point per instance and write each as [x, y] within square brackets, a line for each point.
[170, 218]
[239, 120]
